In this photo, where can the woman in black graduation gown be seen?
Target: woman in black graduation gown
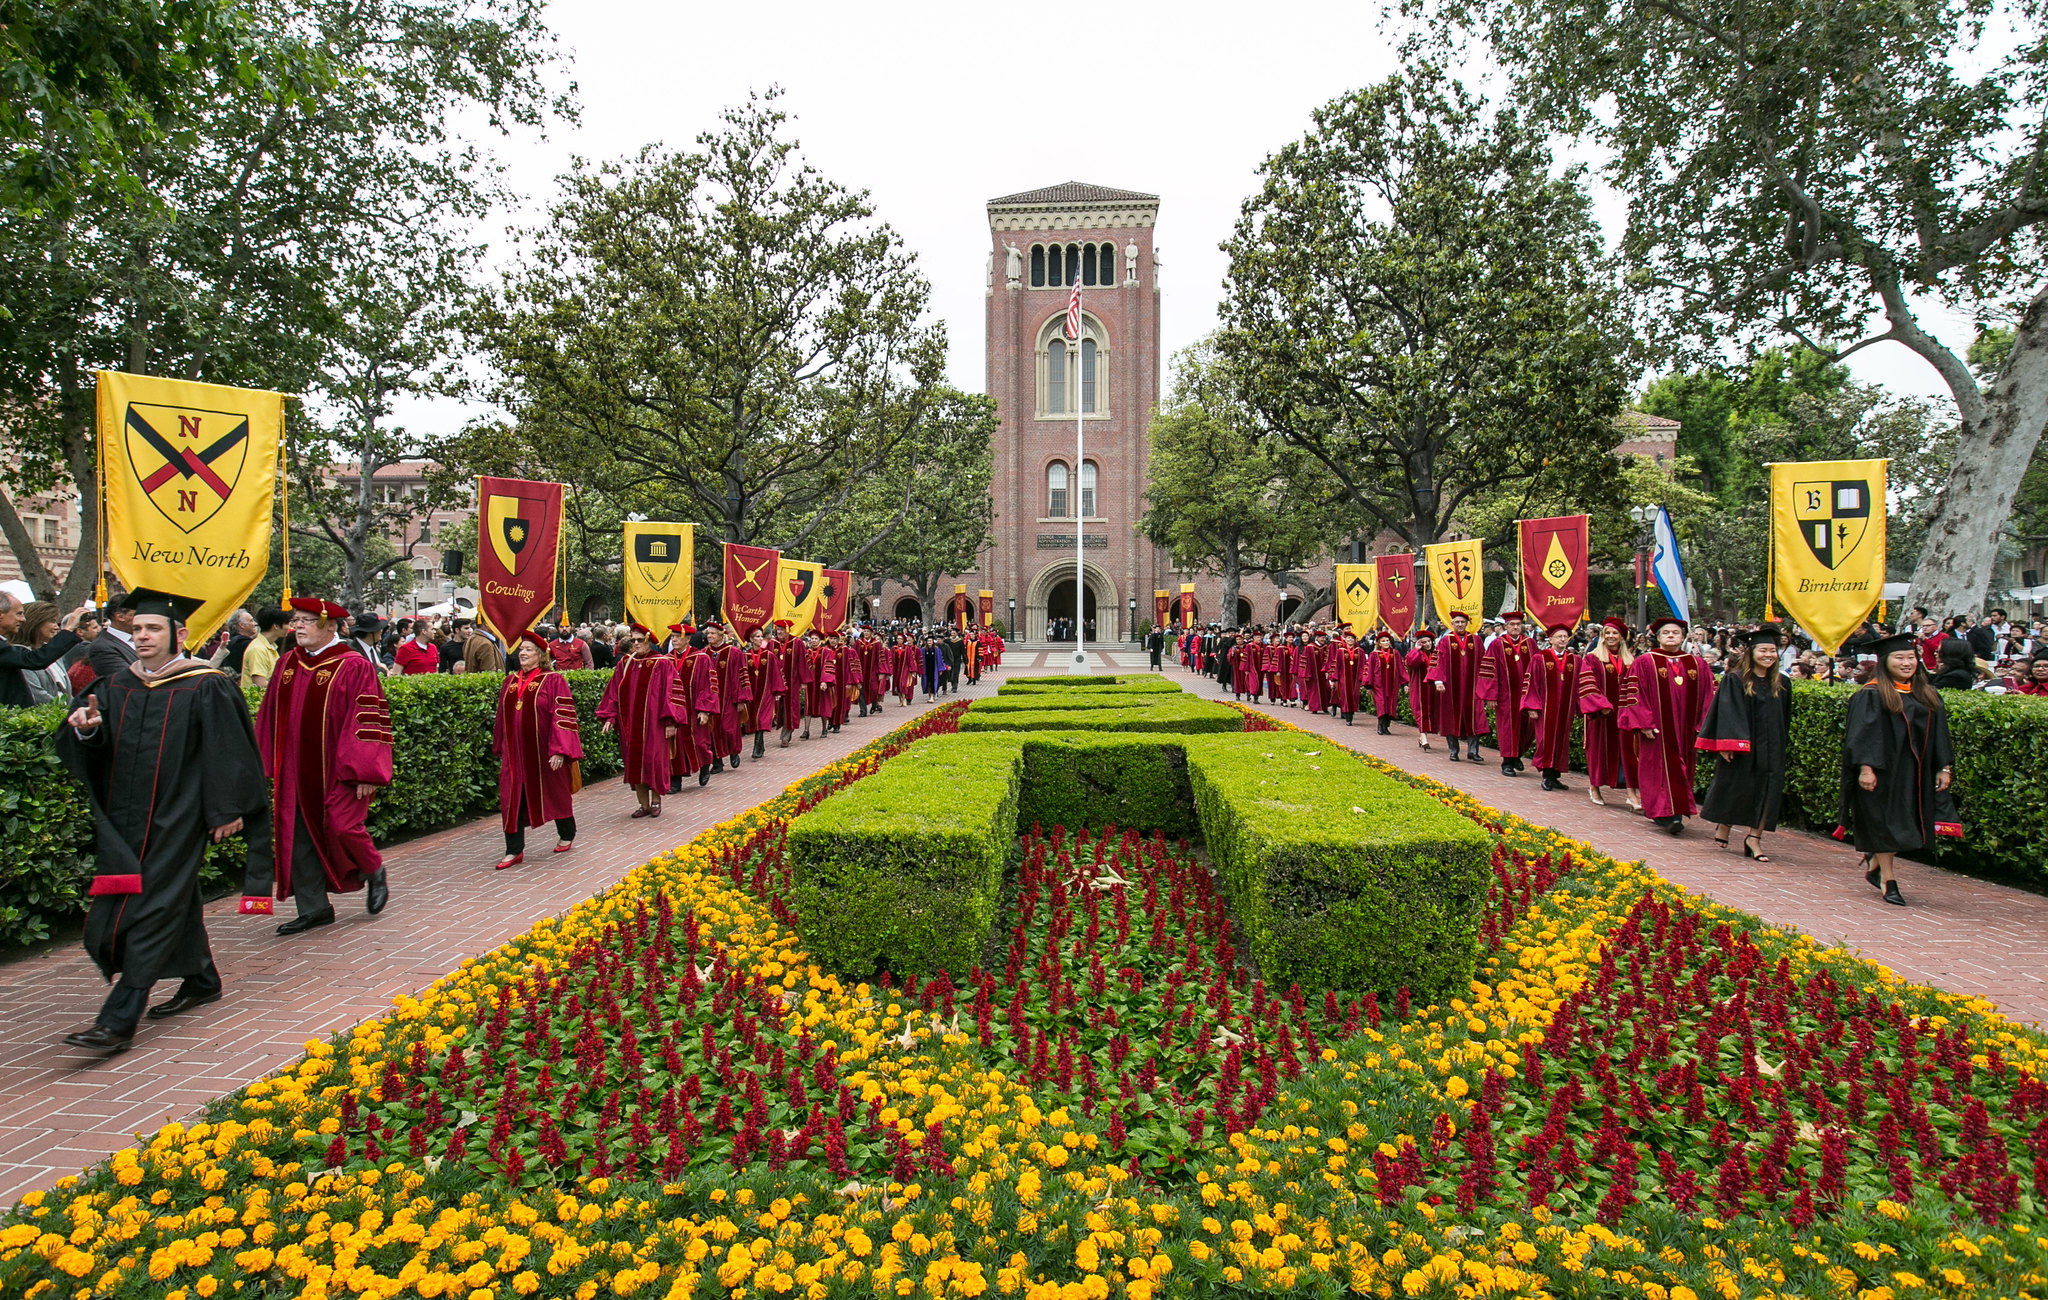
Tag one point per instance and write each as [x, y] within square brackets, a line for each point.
[1749, 726]
[1896, 763]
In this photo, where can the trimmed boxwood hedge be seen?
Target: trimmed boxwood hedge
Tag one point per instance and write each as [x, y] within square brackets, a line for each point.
[1341, 877]
[903, 871]
[443, 774]
[1183, 716]
[1148, 684]
[1078, 779]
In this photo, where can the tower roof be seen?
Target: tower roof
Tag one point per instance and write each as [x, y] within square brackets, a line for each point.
[1072, 192]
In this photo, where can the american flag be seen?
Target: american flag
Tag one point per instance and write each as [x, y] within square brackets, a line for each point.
[1074, 309]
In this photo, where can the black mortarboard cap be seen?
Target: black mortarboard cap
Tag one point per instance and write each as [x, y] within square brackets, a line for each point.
[163, 604]
[1772, 632]
[1882, 646]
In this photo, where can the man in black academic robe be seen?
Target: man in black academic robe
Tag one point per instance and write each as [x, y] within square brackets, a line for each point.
[169, 761]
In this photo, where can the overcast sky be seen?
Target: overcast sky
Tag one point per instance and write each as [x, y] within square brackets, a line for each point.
[936, 108]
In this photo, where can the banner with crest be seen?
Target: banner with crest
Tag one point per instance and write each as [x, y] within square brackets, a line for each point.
[661, 573]
[1828, 544]
[1395, 590]
[750, 588]
[1553, 570]
[1358, 597]
[799, 587]
[519, 527]
[1456, 583]
[833, 599]
[187, 476]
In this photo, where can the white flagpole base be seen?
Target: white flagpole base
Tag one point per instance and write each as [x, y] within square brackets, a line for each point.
[1078, 665]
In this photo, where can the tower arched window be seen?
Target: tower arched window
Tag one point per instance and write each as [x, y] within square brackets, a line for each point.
[1072, 371]
[1054, 266]
[1088, 489]
[1056, 490]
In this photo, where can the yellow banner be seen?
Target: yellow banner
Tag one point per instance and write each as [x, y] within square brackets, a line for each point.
[188, 471]
[1455, 579]
[1827, 544]
[798, 586]
[1187, 605]
[661, 573]
[1358, 597]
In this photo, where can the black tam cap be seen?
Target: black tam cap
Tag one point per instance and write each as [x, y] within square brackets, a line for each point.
[163, 604]
[1883, 646]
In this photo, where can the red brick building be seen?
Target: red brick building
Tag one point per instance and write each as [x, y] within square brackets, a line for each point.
[1110, 381]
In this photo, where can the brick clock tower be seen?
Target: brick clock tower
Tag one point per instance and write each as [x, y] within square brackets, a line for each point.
[1043, 382]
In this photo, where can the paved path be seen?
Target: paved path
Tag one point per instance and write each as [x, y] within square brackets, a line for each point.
[62, 1109]
[1958, 933]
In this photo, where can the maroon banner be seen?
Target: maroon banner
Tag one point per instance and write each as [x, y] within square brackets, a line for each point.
[832, 602]
[749, 600]
[1394, 580]
[988, 607]
[1553, 570]
[519, 524]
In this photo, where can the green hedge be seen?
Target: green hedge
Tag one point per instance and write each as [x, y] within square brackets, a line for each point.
[1086, 779]
[903, 871]
[1147, 684]
[1041, 700]
[443, 773]
[1341, 877]
[1180, 714]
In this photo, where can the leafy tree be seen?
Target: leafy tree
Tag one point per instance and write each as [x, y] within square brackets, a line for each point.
[1424, 311]
[1221, 496]
[723, 333]
[264, 207]
[1796, 168]
[1711, 407]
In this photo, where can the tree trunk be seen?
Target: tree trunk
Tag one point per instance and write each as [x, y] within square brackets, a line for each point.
[1962, 533]
[23, 545]
[1233, 581]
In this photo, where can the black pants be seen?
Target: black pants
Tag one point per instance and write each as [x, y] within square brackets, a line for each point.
[127, 1000]
[515, 841]
[309, 877]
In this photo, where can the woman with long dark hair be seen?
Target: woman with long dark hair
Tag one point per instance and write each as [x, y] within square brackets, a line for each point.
[1749, 726]
[1897, 761]
[1610, 751]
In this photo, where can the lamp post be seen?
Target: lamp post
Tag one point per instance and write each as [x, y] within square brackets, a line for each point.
[1132, 602]
[1013, 619]
[1644, 517]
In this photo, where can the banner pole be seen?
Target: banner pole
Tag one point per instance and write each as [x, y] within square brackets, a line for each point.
[284, 501]
[99, 446]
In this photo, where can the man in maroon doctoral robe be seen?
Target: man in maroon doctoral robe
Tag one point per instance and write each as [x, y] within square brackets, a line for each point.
[796, 682]
[537, 743]
[1665, 696]
[764, 682]
[909, 668]
[1553, 692]
[851, 681]
[694, 696]
[1454, 680]
[874, 674]
[735, 691]
[1503, 681]
[821, 683]
[1385, 674]
[1346, 668]
[1308, 673]
[636, 705]
[1422, 697]
[325, 735]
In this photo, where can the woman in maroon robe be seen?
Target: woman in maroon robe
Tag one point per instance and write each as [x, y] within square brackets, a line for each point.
[796, 680]
[735, 689]
[1385, 673]
[874, 672]
[1665, 696]
[536, 741]
[1308, 674]
[1422, 698]
[909, 667]
[851, 681]
[1245, 660]
[823, 684]
[1610, 751]
[764, 683]
[636, 704]
[1553, 691]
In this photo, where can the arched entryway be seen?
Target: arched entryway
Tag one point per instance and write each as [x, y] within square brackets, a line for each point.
[1059, 607]
[1288, 604]
[908, 610]
[1244, 612]
[1051, 595]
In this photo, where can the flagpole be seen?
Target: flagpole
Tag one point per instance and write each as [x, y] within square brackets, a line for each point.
[1080, 664]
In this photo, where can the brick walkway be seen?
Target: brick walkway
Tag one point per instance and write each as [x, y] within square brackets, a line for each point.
[1958, 933]
[62, 1109]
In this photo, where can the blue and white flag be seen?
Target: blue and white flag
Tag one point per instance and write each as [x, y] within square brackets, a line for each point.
[1665, 569]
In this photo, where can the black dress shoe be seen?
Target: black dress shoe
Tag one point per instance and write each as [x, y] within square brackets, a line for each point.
[379, 893]
[1552, 783]
[1508, 769]
[100, 1039]
[1675, 826]
[182, 1003]
[1454, 754]
[302, 924]
[704, 775]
